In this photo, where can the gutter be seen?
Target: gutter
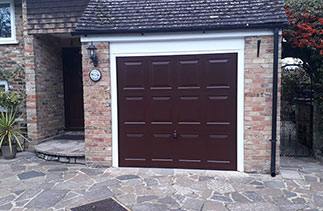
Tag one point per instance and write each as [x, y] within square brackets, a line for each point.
[274, 105]
[177, 29]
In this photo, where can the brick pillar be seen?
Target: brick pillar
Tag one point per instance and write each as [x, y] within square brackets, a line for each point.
[97, 107]
[258, 105]
[30, 77]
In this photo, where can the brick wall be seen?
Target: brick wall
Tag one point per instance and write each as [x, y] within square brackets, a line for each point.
[44, 84]
[258, 105]
[12, 55]
[44, 87]
[30, 75]
[97, 109]
[44, 81]
[49, 86]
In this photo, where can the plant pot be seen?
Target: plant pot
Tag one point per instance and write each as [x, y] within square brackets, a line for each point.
[6, 151]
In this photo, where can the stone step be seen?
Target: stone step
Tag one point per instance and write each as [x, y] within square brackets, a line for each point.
[65, 149]
[62, 159]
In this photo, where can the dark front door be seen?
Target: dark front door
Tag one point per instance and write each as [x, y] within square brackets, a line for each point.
[73, 89]
[178, 111]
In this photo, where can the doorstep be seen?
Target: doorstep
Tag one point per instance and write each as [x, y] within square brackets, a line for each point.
[66, 149]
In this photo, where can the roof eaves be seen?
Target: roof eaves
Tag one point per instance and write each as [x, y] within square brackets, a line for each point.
[81, 31]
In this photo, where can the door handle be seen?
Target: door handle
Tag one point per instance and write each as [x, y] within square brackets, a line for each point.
[175, 134]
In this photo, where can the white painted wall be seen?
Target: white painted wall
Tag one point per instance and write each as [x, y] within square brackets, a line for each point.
[178, 44]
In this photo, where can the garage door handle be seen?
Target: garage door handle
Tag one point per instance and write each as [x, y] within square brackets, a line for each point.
[175, 134]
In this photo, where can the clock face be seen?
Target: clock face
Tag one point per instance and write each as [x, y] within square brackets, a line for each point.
[95, 75]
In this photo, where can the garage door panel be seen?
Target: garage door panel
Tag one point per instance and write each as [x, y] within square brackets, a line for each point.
[189, 109]
[214, 117]
[136, 109]
[138, 137]
[219, 137]
[161, 150]
[132, 74]
[162, 111]
[161, 74]
[217, 73]
[161, 134]
[135, 135]
[184, 116]
[190, 136]
[131, 152]
[188, 74]
[219, 158]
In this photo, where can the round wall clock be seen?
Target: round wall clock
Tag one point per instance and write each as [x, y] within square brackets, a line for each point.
[95, 75]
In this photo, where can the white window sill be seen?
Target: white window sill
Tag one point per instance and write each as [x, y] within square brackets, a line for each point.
[8, 42]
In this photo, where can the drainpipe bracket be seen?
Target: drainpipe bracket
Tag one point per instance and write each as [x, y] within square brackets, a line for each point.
[273, 140]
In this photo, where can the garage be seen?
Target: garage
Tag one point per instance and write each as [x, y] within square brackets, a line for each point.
[178, 111]
[184, 84]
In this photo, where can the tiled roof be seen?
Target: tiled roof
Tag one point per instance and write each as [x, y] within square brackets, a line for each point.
[112, 16]
[54, 16]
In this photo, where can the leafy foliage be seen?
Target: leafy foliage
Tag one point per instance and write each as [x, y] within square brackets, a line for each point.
[293, 80]
[10, 99]
[303, 37]
[10, 130]
[10, 71]
[305, 24]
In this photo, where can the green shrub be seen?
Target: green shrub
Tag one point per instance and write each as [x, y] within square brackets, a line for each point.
[10, 99]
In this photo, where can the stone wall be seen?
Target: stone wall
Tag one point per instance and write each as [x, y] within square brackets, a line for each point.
[258, 105]
[97, 107]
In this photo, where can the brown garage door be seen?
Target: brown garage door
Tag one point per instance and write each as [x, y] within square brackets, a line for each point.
[178, 111]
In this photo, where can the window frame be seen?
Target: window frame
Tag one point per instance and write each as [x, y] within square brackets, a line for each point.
[12, 39]
[6, 88]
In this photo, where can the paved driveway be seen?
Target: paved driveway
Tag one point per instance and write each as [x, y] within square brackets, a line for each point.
[29, 183]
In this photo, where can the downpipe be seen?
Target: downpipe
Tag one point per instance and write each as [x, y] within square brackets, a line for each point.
[274, 105]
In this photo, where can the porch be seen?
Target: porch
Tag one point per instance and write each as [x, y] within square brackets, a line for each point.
[55, 112]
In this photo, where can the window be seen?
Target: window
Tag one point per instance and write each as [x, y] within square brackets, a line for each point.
[3, 87]
[7, 22]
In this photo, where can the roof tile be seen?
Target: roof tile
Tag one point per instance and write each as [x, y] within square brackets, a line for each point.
[175, 15]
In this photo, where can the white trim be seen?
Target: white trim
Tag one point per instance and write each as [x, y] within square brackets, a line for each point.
[5, 84]
[9, 42]
[179, 47]
[12, 39]
[6, 88]
[177, 36]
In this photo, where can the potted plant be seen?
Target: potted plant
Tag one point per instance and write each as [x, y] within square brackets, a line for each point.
[10, 131]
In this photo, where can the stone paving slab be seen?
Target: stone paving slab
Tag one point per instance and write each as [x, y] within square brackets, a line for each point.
[62, 147]
[29, 183]
[290, 174]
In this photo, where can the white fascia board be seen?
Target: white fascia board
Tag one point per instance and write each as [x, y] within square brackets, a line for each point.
[176, 36]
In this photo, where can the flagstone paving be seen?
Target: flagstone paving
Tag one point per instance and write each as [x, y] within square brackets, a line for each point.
[29, 183]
